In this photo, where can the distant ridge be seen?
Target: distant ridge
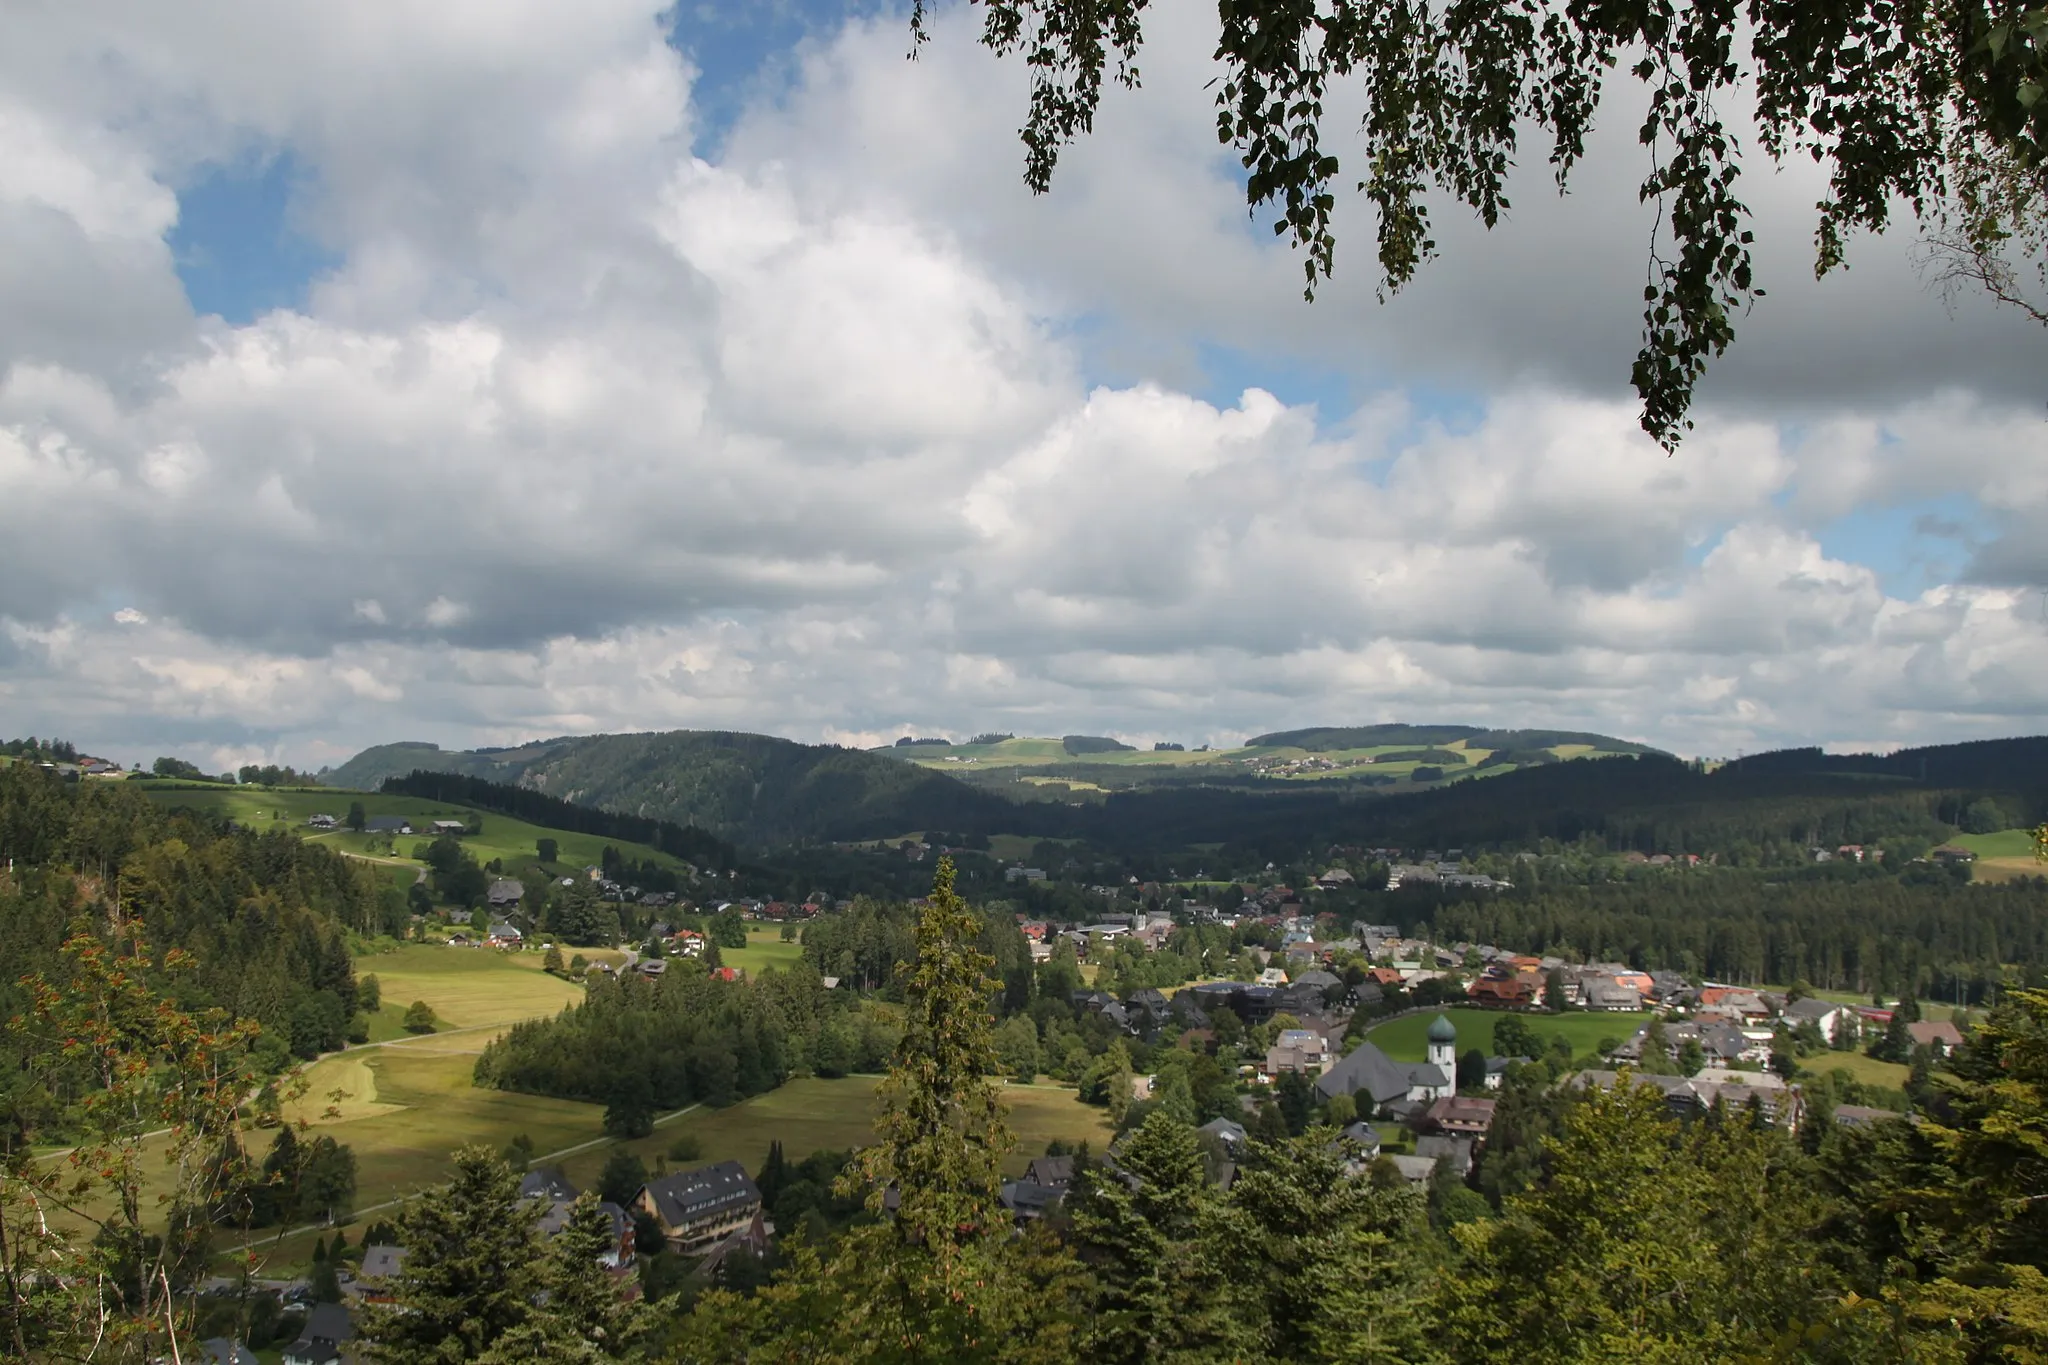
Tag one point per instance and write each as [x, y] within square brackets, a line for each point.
[1319, 739]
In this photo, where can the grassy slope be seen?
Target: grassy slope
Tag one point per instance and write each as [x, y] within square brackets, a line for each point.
[2002, 857]
[513, 842]
[814, 1114]
[1405, 1039]
[404, 1107]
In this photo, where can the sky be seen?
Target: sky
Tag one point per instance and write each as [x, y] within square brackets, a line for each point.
[482, 372]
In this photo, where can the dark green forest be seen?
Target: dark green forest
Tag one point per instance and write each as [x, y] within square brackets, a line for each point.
[265, 919]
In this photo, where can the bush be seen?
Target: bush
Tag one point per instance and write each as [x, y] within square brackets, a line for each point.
[419, 1017]
[686, 1148]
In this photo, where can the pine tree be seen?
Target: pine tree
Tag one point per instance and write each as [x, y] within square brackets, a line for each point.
[471, 1268]
[585, 1317]
[1137, 1224]
[1324, 1265]
[938, 1277]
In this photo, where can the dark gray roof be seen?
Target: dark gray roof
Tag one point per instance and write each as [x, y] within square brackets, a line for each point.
[1028, 1196]
[382, 1261]
[546, 1182]
[1057, 1171]
[328, 1326]
[1231, 1134]
[1372, 1072]
[1811, 1007]
[506, 889]
[688, 1196]
[384, 823]
[222, 1351]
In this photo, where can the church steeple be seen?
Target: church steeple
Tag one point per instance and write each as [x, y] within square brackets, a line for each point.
[1443, 1044]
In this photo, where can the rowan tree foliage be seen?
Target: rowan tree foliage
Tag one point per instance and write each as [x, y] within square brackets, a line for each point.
[157, 1155]
[1929, 108]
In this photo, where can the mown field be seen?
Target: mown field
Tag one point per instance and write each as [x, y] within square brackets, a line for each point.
[764, 949]
[814, 1114]
[406, 1102]
[1406, 1039]
[468, 987]
[2002, 857]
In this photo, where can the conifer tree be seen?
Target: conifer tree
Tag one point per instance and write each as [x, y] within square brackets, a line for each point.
[938, 1276]
[1138, 1225]
[471, 1268]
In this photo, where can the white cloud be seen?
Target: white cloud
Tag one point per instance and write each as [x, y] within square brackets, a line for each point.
[585, 433]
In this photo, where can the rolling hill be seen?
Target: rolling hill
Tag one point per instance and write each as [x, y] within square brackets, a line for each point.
[1417, 788]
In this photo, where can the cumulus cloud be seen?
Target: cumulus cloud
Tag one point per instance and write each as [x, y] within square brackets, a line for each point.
[843, 434]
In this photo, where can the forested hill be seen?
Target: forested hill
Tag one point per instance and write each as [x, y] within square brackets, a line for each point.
[761, 791]
[264, 915]
[753, 789]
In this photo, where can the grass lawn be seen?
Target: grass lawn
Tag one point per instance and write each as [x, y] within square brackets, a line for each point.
[468, 987]
[2007, 843]
[765, 948]
[1868, 1070]
[1406, 1039]
[814, 1114]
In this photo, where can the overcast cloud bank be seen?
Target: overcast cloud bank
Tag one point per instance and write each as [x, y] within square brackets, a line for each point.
[845, 433]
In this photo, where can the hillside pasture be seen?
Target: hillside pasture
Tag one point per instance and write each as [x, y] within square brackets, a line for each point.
[468, 987]
[764, 949]
[514, 843]
[814, 1114]
[1406, 1039]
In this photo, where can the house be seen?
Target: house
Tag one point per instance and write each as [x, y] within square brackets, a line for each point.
[546, 1182]
[505, 893]
[328, 1328]
[222, 1351]
[318, 822]
[1054, 1172]
[1606, 993]
[1272, 976]
[1027, 1200]
[1940, 1036]
[697, 1208]
[455, 827]
[1297, 1049]
[501, 935]
[1230, 1135]
[371, 1282]
[1444, 1147]
[1459, 1116]
[388, 824]
[1416, 1170]
[1512, 993]
[1382, 1081]
[1335, 879]
[1365, 1136]
[618, 1251]
[1024, 874]
[1825, 1015]
[1863, 1116]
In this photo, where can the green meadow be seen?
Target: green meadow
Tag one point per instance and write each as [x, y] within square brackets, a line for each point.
[1406, 1039]
[514, 843]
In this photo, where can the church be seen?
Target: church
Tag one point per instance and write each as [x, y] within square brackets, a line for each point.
[1370, 1074]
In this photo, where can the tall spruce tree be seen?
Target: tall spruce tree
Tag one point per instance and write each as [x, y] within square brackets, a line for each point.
[938, 1276]
[1157, 1289]
[1325, 1265]
[471, 1268]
